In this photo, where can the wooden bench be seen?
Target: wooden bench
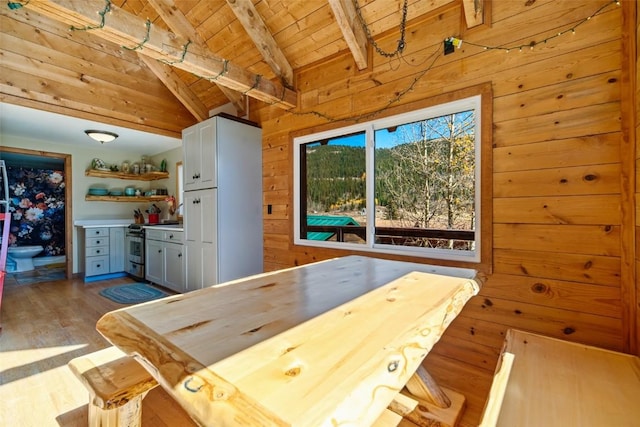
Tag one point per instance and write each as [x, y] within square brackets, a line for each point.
[116, 383]
[543, 381]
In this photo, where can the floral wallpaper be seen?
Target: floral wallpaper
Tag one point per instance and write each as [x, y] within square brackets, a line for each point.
[37, 205]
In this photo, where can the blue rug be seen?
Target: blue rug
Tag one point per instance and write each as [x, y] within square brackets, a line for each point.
[134, 293]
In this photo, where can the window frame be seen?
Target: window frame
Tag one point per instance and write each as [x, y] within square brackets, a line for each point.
[478, 97]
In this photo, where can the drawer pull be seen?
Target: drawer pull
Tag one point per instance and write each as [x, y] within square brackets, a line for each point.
[98, 251]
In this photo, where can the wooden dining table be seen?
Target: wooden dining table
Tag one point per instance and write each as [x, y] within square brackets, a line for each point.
[327, 343]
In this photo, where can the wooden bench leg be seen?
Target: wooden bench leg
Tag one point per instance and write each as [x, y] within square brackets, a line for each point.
[116, 384]
[127, 415]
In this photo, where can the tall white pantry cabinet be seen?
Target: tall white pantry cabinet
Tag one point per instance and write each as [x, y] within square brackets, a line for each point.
[222, 199]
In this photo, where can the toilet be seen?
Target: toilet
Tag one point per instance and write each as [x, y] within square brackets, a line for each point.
[20, 258]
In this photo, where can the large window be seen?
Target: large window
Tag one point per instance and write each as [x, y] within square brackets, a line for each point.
[406, 184]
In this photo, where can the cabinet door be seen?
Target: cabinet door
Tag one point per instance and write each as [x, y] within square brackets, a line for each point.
[200, 216]
[200, 266]
[199, 154]
[192, 216]
[191, 157]
[116, 249]
[174, 267]
[97, 265]
[200, 228]
[154, 261]
[208, 168]
[193, 273]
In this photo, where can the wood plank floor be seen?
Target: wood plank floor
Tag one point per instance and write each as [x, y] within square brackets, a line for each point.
[44, 325]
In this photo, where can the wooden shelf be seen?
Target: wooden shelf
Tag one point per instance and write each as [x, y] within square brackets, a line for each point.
[138, 199]
[150, 176]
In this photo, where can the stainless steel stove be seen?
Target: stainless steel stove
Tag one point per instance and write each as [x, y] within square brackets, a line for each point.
[134, 244]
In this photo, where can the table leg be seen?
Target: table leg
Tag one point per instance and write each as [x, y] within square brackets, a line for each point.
[426, 404]
[424, 387]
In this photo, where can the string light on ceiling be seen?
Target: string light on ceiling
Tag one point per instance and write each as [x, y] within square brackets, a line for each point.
[370, 39]
[451, 42]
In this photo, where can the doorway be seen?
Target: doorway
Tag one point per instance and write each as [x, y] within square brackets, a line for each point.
[56, 161]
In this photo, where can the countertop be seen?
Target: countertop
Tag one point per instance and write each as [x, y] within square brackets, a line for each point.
[95, 223]
[100, 223]
[170, 227]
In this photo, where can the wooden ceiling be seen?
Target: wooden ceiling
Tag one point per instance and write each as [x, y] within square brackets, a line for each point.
[162, 65]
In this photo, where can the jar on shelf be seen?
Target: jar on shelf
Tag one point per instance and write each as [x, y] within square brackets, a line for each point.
[125, 167]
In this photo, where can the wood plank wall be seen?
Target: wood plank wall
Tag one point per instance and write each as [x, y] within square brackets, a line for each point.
[43, 65]
[634, 24]
[558, 172]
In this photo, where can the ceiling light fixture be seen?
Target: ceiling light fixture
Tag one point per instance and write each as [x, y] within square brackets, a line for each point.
[101, 136]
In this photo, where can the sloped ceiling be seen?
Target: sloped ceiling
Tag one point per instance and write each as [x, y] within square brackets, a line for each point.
[161, 65]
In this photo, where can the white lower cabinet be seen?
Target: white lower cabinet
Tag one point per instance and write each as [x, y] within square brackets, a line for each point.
[201, 238]
[103, 250]
[154, 264]
[164, 258]
[174, 266]
[116, 249]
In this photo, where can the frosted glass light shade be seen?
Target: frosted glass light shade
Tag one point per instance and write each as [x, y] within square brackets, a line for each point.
[101, 136]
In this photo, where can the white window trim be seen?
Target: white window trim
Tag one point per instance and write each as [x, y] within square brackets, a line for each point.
[470, 103]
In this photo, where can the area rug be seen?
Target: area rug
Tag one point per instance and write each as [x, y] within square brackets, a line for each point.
[133, 293]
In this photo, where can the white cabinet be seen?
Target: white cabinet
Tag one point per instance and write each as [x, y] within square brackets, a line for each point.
[199, 155]
[200, 238]
[154, 262]
[116, 249]
[164, 258]
[174, 261]
[222, 201]
[103, 250]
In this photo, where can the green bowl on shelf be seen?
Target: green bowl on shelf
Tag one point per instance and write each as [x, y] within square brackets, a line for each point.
[98, 191]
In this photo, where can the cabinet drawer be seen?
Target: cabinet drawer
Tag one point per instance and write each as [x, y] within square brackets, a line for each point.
[96, 232]
[97, 265]
[97, 250]
[165, 235]
[91, 242]
[174, 236]
[154, 234]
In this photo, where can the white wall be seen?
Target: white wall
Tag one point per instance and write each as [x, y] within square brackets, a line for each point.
[81, 157]
[172, 157]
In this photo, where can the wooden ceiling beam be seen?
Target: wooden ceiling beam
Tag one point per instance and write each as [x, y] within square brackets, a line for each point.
[238, 100]
[473, 12]
[352, 31]
[179, 24]
[253, 24]
[180, 90]
[129, 31]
